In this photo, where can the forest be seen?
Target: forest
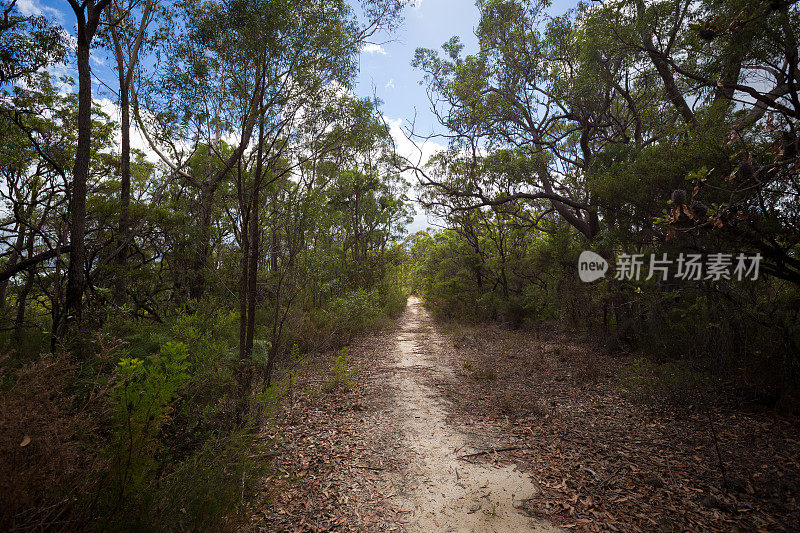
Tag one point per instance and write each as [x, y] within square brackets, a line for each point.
[561, 294]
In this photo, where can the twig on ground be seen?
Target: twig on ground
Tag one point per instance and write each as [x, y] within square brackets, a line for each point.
[493, 450]
[592, 472]
[370, 468]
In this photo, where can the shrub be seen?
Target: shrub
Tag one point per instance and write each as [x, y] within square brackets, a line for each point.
[342, 377]
[42, 479]
[207, 489]
[142, 402]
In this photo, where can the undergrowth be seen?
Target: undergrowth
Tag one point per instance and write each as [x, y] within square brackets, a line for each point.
[343, 373]
[142, 433]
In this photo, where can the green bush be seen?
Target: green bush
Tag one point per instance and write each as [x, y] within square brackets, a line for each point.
[352, 313]
[142, 401]
[209, 487]
[176, 455]
[343, 373]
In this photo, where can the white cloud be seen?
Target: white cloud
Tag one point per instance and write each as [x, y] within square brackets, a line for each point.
[58, 71]
[417, 153]
[422, 221]
[373, 48]
[409, 148]
[29, 8]
[137, 139]
[390, 83]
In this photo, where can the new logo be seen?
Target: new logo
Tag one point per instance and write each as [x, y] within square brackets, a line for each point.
[591, 266]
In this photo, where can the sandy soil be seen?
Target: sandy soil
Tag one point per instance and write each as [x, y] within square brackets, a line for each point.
[447, 493]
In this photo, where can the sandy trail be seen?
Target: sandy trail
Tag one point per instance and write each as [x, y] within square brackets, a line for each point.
[448, 494]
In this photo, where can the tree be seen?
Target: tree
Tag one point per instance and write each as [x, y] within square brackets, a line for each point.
[27, 43]
[39, 148]
[254, 66]
[127, 39]
[728, 70]
[88, 15]
[604, 111]
[516, 93]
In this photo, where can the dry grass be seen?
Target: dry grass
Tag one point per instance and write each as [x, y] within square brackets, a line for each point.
[40, 480]
[55, 415]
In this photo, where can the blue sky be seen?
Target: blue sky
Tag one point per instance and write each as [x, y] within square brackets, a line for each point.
[387, 70]
[385, 65]
[428, 24]
[388, 67]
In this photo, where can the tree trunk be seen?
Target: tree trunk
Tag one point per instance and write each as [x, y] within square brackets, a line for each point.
[200, 263]
[12, 262]
[243, 284]
[273, 255]
[124, 172]
[56, 308]
[87, 14]
[19, 322]
[125, 74]
[125, 77]
[250, 235]
[662, 67]
[252, 268]
[244, 367]
[76, 277]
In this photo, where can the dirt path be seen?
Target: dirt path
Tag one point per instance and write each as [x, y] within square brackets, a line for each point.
[386, 453]
[383, 454]
[445, 492]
